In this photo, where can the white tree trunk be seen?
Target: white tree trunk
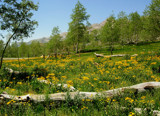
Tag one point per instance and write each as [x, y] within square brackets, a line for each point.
[117, 55]
[84, 95]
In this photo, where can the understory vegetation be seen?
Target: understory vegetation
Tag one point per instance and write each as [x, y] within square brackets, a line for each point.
[86, 73]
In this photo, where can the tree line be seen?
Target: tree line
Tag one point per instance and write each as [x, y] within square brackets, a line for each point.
[118, 30]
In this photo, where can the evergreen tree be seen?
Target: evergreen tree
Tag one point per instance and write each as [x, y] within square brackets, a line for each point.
[77, 26]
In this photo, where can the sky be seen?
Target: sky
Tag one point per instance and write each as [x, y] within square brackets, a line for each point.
[53, 13]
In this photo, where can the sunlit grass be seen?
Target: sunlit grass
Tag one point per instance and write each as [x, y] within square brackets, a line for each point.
[85, 73]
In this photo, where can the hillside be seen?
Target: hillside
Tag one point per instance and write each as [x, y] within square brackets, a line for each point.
[63, 34]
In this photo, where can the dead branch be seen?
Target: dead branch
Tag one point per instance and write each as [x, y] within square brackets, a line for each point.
[11, 71]
[84, 95]
[65, 86]
[117, 55]
[140, 111]
[99, 55]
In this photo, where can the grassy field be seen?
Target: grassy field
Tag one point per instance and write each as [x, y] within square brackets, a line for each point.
[85, 73]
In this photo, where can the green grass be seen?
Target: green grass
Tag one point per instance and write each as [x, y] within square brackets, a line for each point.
[86, 73]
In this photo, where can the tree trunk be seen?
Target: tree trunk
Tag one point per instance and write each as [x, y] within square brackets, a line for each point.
[159, 70]
[55, 53]
[79, 52]
[74, 48]
[44, 56]
[77, 47]
[28, 56]
[5, 49]
[68, 52]
[111, 49]
[19, 61]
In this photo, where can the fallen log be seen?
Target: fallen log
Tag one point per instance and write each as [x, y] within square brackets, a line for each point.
[11, 71]
[65, 86]
[140, 111]
[84, 95]
[117, 55]
[99, 55]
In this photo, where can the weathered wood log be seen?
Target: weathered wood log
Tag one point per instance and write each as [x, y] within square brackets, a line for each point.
[99, 55]
[140, 111]
[65, 86]
[84, 95]
[134, 55]
[11, 71]
[117, 55]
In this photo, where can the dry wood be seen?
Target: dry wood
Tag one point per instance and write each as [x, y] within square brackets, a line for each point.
[117, 55]
[12, 71]
[84, 95]
[65, 86]
[140, 111]
[99, 55]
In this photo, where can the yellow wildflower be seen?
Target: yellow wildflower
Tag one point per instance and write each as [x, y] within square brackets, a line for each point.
[143, 97]
[95, 79]
[19, 83]
[131, 114]
[85, 78]
[70, 82]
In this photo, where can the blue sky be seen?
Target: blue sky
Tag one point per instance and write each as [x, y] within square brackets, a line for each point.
[53, 13]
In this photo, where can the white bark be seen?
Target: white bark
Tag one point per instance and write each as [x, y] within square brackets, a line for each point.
[65, 86]
[140, 111]
[84, 95]
[117, 55]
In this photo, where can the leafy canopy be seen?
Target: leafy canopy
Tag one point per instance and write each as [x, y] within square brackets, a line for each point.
[15, 17]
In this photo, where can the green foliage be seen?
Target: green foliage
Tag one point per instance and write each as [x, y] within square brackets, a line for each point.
[55, 42]
[35, 49]
[123, 24]
[110, 32]
[23, 50]
[16, 18]
[94, 38]
[86, 73]
[77, 26]
[153, 14]
[135, 27]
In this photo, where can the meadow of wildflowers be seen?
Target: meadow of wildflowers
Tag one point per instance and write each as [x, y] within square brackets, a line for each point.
[85, 73]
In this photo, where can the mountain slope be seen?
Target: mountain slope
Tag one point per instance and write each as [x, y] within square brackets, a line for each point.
[64, 34]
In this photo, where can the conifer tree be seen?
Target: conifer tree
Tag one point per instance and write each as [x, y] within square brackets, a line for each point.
[77, 26]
